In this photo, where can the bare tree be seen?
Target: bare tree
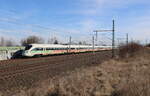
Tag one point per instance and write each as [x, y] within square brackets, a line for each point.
[9, 43]
[31, 40]
[82, 43]
[53, 40]
[2, 41]
[56, 42]
[6, 42]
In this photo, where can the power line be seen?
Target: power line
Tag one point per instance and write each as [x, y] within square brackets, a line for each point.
[28, 25]
[113, 36]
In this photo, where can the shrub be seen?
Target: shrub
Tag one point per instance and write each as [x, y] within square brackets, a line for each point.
[139, 85]
[148, 45]
[129, 50]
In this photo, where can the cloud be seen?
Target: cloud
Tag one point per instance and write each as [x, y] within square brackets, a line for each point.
[86, 17]
[101, 7]
[113, 3]
[134, 21]
[137, 26]
[81, 12]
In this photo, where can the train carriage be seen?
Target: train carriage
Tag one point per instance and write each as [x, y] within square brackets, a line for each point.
[47, 49]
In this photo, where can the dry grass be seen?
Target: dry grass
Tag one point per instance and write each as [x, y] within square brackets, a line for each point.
[86, 82]
[112, 78]
[130, 50]
[131, 77]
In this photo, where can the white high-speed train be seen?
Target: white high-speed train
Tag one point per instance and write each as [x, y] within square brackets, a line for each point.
[47, 49]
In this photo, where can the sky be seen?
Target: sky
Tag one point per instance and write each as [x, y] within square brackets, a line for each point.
[77, 18]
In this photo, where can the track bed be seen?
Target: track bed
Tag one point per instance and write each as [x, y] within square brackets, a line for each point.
[26, 72]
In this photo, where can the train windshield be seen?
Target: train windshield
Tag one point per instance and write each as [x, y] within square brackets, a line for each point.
[28, 47]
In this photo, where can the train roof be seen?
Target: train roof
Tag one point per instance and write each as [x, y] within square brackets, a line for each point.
[58, 45]
[47, 45]
[64, 46]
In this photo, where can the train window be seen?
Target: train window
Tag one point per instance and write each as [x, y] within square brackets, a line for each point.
[57, 48]
[61, 48]
[40, 49]
[48, 48]
[52, 48]
[37, 49]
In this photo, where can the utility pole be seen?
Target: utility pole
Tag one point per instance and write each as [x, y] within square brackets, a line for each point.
[127, 44]
[118, 41]
[113, 37]
[127, 39]
[96, 39]
[146, 42]
[93, 43]
[70, 43]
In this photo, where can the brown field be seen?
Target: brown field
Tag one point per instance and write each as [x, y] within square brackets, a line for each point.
[114, 77]
[26, 72]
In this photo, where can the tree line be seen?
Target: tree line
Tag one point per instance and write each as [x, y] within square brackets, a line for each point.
[6, 42]
[35, 40]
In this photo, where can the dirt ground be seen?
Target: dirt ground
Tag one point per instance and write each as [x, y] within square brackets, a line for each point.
[113, 77]
[26, 72]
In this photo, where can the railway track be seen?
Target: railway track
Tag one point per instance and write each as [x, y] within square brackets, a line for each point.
[29, 68]
[49, 66]
[28, 65]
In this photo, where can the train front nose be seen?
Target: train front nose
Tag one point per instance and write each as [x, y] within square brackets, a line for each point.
[25, 53]
[17, 54]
